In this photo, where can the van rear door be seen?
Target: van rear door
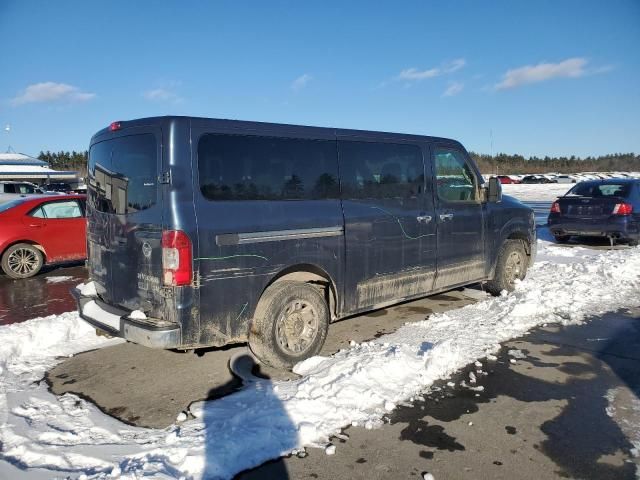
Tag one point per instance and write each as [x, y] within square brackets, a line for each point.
[124, 217]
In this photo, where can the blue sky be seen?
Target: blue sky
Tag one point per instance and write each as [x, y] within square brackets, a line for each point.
[545, 77]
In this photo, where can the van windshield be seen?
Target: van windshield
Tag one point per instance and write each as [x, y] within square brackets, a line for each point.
[123, 174]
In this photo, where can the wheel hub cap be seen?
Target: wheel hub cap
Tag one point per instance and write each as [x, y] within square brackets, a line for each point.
[513, 267]
[22, 261]
[297, 327]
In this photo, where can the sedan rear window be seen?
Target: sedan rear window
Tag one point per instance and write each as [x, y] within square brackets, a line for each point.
[600, 190]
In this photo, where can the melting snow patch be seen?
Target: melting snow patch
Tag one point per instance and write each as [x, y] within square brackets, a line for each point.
[137, 315]
[66, 436]
[88, 289]
[59, 279]
[516, 354]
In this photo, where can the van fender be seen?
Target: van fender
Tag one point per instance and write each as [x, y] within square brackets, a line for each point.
[514, 229]
[308, 273]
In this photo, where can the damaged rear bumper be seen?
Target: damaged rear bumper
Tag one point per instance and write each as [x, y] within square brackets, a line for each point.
[117, 323]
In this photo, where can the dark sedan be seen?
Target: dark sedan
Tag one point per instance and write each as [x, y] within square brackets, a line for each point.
[598, 208]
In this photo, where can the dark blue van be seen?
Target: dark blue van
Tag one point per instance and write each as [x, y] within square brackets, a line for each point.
[205, 232]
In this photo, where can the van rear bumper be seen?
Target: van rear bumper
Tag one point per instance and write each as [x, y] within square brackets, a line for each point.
[118, 324]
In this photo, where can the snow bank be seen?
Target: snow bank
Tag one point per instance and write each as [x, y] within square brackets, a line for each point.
[359, 385]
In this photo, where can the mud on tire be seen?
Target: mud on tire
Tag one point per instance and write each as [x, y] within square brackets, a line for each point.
[290, 324]
[512, 264]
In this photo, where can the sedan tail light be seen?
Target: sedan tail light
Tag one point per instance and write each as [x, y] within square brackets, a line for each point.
[623, 209]
[177, 258]
[555, 207]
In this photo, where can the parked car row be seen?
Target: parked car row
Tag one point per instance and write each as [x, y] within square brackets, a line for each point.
[28, 188]
[564, 178]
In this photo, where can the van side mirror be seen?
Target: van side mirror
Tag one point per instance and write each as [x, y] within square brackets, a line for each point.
[494, 190]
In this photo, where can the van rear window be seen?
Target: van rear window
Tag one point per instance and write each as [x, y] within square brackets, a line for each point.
[123, 174]
[241, 167]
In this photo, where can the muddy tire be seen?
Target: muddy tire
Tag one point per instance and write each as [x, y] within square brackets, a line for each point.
[512, 264]
[290, 324]
[561, 238]
[22, 260]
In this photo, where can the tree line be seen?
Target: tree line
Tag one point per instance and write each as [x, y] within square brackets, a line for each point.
[502, 163]
[76, 161]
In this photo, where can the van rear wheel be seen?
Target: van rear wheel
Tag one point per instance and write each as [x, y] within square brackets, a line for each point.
[290, 324]
[511, 265]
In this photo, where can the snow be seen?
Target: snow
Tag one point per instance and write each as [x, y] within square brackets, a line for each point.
[59, 279]
[536, 191]
[88, 289]
[137, 315]
[516, 354]
[67, 436]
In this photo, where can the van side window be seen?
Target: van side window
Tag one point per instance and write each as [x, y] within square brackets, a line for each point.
[380, 170]
[243, 167]
[455, 179]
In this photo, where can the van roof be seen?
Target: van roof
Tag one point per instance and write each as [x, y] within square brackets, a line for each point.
[249, 126]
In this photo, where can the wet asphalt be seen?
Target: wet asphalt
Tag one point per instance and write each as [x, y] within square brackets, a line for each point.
[39, 296]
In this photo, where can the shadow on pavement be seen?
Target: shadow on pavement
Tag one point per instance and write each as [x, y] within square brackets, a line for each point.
[249, 427]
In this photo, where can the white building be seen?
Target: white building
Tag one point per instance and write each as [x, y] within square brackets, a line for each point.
[17, 166]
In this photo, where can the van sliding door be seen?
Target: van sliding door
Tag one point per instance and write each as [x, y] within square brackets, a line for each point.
[389, 222]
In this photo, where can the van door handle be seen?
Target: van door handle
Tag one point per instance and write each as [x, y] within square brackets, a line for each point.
[424, 218]
[446, 216]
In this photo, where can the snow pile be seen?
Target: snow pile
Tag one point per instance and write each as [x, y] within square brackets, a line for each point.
[264, 420]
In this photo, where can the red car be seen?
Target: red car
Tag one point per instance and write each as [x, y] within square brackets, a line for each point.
[41, 230]
[506, 179]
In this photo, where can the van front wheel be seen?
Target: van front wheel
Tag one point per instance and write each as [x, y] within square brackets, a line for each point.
[511, 265]
[290, 324]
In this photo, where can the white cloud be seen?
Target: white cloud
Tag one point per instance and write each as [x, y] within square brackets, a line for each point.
[301, 82]
[413, 74]
[454, 88]
[161, 95]
[569, 68]
[51, 92]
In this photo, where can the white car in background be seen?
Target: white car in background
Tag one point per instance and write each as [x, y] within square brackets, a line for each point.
[565, 179]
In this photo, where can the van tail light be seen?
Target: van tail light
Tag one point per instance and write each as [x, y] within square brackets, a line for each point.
[177, 258]
[623, 209]
[555, 207]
